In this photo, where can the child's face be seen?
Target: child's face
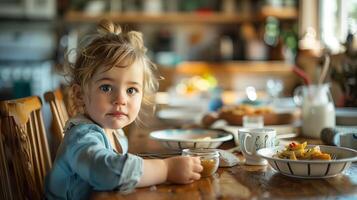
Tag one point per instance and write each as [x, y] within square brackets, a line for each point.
[114, 97]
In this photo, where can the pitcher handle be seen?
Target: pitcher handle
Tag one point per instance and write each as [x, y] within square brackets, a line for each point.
[329, 95]
[245, 144]
[298, 97]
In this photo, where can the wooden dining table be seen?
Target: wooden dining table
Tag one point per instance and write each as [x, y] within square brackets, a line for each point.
[237, 182]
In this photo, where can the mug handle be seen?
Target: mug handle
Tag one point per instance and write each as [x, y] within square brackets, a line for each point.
[298, 98]
[244, 144]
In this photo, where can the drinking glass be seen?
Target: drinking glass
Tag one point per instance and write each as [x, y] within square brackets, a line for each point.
[274, 87]
[253, 121]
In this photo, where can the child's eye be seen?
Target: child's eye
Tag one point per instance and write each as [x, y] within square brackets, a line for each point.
[132, 90]
[106, 88]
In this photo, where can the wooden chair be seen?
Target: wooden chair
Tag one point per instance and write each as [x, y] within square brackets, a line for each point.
[59, 118]
[24, 153]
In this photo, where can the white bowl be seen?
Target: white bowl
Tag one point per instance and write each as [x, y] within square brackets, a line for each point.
[191, 138]
[311, 168]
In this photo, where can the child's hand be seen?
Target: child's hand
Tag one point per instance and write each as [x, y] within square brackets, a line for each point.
[183, 169]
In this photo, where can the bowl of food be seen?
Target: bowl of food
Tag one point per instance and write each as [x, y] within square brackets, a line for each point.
[191, 138]
[309, 161]
[209, 159]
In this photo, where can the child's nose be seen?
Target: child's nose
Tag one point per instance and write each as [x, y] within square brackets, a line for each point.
[120, 99]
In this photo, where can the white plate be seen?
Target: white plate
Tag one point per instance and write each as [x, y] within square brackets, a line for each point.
[179, 116]
[191, 138]
[311, 168]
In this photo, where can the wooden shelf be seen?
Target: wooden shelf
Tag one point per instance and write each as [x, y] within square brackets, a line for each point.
[216, 18]
[174, 18]
[280, 13]
[235, 67]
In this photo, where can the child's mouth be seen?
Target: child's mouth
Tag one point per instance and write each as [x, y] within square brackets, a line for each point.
[117, 114]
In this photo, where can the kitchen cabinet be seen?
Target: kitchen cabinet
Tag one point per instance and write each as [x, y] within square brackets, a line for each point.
[211, 26]
[183, 18]
[212, 30]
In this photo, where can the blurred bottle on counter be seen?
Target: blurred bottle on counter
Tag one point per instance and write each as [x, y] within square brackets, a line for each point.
[274, 3]
[272, 39]
[171, 5]
[164, 55]
[216, 101]
[188, 5]
[290, 48]
[153, 6]
[229, 7]
[228, 48]
[231, 45]
[255, 49]
[201, 6]
[131, 5]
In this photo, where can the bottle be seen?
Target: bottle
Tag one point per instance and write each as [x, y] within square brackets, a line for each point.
[216, 101]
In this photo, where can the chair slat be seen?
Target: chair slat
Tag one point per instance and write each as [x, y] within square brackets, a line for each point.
[42, 143]
[23, 148]
[5, 186]
[59, 118]
[35, 148]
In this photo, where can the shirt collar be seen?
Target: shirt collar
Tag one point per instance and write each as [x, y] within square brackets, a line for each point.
[78, 119]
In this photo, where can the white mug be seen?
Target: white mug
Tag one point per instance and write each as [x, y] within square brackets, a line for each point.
[253, 139]
[340, 136]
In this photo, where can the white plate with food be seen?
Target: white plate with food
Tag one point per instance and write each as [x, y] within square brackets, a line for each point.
[328, 161]
[233, 115]
[191, 138]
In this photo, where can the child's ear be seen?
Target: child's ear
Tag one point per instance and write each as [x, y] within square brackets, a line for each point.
[78, 94]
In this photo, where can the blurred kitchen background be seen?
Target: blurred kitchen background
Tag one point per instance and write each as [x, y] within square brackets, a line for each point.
[199, 45]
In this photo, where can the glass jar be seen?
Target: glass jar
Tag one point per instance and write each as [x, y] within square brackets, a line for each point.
[209, 159]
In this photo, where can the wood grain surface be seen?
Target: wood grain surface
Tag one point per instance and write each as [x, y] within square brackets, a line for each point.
[248, 182]
[238, 182]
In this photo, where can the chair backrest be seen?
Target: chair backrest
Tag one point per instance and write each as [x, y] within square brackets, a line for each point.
[24, 152]
[59, 118]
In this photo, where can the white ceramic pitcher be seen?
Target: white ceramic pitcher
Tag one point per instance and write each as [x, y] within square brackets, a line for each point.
[318, 109]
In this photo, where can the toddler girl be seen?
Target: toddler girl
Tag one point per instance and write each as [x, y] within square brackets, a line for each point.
[110, 79]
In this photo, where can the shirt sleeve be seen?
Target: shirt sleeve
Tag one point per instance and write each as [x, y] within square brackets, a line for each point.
[90, 157]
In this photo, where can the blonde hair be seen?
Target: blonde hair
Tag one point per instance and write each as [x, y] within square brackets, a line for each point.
[112, 48]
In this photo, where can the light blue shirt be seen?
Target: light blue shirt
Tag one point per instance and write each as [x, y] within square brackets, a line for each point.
[86, 161]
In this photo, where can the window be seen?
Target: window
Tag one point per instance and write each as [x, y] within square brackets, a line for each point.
[338, 17]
